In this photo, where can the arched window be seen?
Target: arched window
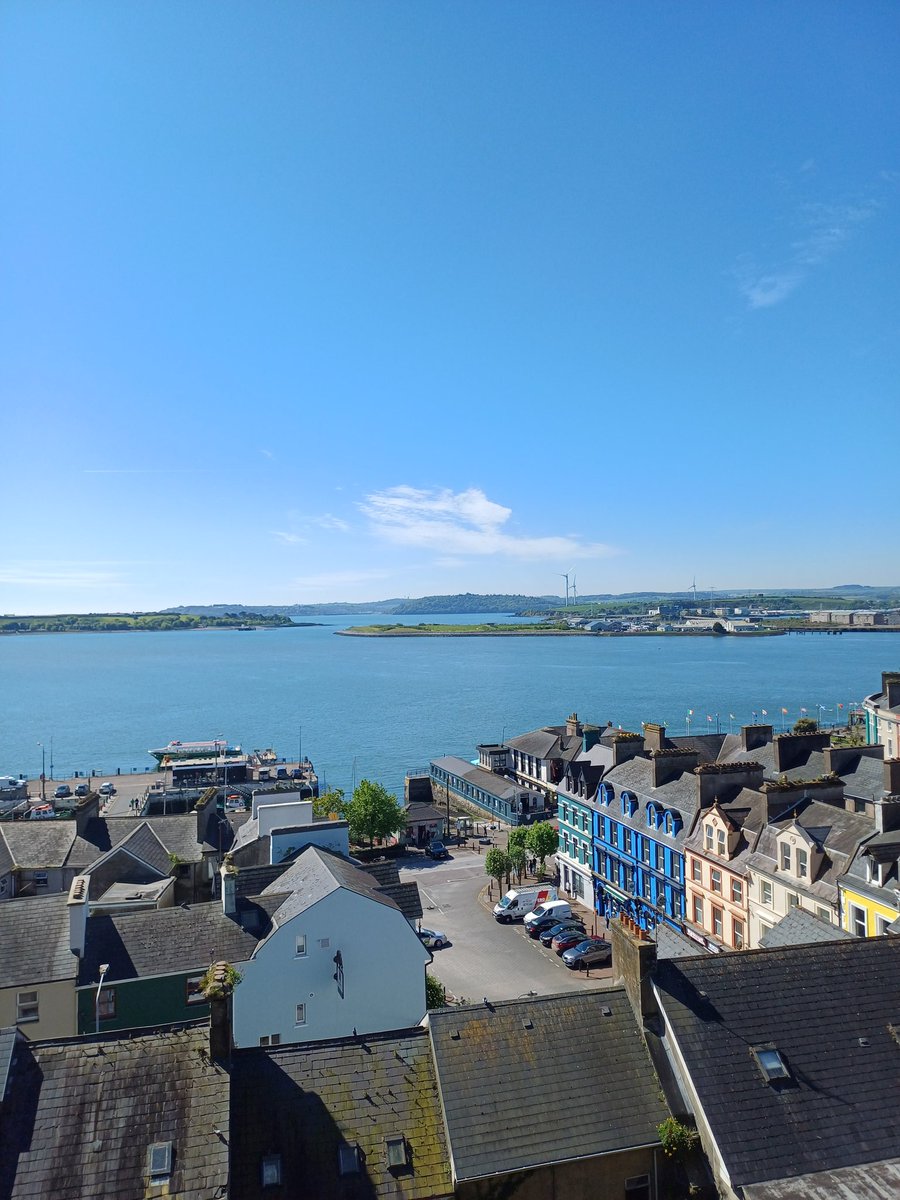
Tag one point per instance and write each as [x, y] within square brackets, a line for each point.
[670, 824]
[606, 793]
[629, 803]
[651, 815]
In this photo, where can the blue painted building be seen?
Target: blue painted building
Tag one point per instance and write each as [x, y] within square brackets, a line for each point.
[642, 813]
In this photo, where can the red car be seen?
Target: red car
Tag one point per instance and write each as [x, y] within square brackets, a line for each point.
[566, 940]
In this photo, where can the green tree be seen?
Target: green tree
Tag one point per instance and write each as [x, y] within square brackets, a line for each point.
[435, 992]
[517, 837]
[719, 629]
[517, 856]
[805, 725]
[497, 864]
[330, 802]
[542, 841]
[373, 812]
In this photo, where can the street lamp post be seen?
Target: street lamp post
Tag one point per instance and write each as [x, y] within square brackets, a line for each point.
[103, 969]
[43, 772]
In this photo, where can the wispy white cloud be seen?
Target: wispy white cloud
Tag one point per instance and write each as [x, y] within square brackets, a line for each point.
[463, 523]
[59, 574]
[266, 453]
[824, 230]
[328, 521]
[288, 539]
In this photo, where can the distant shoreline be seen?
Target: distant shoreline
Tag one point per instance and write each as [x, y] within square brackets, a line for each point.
[524, 631]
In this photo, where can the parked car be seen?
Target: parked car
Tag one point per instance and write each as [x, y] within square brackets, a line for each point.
[517, 903]
[82, 789]
[592, 952]
[62, 791]
[549, 908]
[437, 849]
[432, 939]
[107, 789]
[573, 923]
[281, 773]
[566, 939]
[234, 803]
[542, 924]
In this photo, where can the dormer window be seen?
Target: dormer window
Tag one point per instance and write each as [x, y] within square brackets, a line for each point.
[709, 837]
[629, 804]
[651, 815]
[720, 842]
[802, 863]
[785, 856]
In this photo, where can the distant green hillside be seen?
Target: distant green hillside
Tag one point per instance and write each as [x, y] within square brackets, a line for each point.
[110, 622]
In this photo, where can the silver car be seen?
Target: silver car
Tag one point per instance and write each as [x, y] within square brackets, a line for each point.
[432, 939]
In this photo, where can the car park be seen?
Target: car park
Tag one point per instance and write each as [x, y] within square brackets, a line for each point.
[62, 791]
[107, 789]
[592, 952]
[547, 935]
[437, 849]
[432, 938]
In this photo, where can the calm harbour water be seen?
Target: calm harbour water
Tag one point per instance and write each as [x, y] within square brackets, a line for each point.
[375, 708]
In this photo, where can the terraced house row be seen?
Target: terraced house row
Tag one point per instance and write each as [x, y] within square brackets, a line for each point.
[718, 836]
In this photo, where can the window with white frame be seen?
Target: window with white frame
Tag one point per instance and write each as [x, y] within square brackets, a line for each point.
[709, 834]
[696, 870]
[737, 891]
[720, 842]
[300, 1014]
[717, 921]
[858, 923]
[715, 881]
[698, 911]
[785, 856]
[738, 934]
[765, 892]
[793, 900]
[300, 946]
[27, 1007]
[802, 863]
[881, 926]
[824, 914]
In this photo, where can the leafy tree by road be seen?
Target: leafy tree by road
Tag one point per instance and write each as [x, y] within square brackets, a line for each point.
[517, 856]
[542, 841]
[497, 864]
[373, 812]
[518, 836]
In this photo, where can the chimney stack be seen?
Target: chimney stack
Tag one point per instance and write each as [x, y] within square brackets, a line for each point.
[654, 736]
[228, 875]
[218, 987]
[890, 685]
[754, 736]
[669, 764]
[79, 906]
[85, 810]
[573, 725]
[892, 776]
[634, 960]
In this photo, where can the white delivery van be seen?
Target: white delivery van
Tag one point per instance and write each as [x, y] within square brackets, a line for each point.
[560, 909]
[516, 903]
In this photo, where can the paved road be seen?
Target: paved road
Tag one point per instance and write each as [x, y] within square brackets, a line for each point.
[484, 958]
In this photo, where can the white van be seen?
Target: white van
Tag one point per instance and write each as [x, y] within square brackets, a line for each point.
[551, 908]
[516, 903]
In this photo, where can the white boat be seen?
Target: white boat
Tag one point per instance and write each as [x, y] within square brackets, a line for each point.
[176, 751]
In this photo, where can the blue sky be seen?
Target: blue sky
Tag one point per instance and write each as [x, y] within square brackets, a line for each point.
[343, 301]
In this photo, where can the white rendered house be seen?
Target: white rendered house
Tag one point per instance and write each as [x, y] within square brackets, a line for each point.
[339, 957]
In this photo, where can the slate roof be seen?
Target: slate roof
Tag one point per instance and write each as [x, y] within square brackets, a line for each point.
[81, 1116]
[874, 1181]
[801, 928]
[837, 831]
[163, 941]
[501, 786]
[319, 1095]
[317, 873]
[748, 812]
[841, 1106]
[418, 812]
[47, 844]
[34, 941]
[671, 944]
[503, 1069]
